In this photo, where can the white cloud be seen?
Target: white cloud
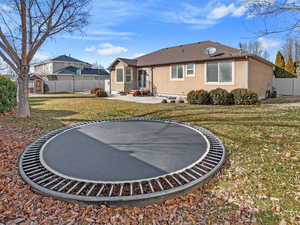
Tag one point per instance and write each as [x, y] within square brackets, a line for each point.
[109, 49]
[240, 11]
[138, 55]
[86, 38]
[267, 43]
[191, 15]
[222, 11]
[230, 10]
[111, 33]
[90, 49]
[4, 7]
[40, 56]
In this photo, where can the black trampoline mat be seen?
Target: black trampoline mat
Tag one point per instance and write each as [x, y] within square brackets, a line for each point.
[123, 150]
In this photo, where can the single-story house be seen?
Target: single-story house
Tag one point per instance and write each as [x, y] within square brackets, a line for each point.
[67, 74]
[203, 65]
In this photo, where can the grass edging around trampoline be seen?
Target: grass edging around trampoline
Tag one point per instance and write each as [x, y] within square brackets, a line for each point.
[124, 192]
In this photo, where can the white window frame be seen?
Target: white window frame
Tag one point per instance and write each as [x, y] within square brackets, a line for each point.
[120, 82]
[180, 79]
[125, 74]
[220, 83]
[194, 70]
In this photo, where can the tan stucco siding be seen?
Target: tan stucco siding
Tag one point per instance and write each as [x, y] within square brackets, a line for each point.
[260, 77]
[124, 86]
[162, 83]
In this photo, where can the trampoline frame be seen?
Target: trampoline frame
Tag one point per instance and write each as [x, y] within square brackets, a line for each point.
[31, 159]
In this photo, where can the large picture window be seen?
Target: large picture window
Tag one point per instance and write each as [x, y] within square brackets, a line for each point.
[219, 72]
[120, 75]
[177, 72]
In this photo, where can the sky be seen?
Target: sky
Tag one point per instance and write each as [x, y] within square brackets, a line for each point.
[130, 28]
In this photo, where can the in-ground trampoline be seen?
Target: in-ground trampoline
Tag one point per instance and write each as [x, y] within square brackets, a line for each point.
[121, 161]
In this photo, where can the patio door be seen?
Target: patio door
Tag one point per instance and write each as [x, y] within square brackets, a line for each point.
[143, 79]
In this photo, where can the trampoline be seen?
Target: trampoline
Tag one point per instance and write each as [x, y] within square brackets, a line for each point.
[121, 160]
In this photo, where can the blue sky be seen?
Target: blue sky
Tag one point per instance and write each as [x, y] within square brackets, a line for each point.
[129, 28]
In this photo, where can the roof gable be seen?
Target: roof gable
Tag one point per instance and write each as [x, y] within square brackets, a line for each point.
[65, 58]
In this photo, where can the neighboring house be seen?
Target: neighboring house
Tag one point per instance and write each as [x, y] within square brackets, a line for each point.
[67, 74]
[202, 65]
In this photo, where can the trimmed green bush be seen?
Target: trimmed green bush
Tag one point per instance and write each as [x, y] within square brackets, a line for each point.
[198, 97]
[8, 92]
[220, 96]
[101, 93]
[243, 96]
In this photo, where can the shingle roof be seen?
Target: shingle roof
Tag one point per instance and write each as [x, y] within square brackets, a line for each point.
[67, 70]
[186, 53]
[194, 52]
[65, 58]
[101, 72]
[85, 71]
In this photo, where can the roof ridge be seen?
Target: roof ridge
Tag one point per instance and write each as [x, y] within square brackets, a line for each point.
[176, 46]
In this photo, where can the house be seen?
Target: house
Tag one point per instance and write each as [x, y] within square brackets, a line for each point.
[203, 65]
[67, 74]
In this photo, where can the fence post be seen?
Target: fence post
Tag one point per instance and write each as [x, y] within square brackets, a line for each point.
[293, 89]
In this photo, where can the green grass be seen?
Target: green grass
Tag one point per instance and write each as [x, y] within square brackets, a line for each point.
[263, 144]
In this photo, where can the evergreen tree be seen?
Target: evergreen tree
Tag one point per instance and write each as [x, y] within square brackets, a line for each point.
[290, 65]
[280, 60]
[296, 65]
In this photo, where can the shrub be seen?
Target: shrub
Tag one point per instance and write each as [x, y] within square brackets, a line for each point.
[94, 90]
[101, 93]
[243, 96]
[46, 88]
[220, 96]
[8, 92]
[282, 73]
[145, 92]
[137, 93]
[198, 97]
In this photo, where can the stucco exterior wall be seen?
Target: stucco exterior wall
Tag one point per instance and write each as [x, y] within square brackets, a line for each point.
[260, 77]
[124, 86]
[162, 83]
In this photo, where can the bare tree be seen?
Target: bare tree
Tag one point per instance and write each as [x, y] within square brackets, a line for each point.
[25, 25]
[256, 48]
[277, 15]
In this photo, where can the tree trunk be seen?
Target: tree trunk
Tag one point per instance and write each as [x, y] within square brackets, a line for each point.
[23, 109]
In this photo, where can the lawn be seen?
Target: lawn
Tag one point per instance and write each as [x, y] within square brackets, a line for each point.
[260, 183]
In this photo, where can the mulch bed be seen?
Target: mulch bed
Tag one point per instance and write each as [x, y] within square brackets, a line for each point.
[19, 205]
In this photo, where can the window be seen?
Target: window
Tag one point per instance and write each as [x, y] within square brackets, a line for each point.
[120, 75]
[220, 73]
[190, 70]
[31, 84]
[128, 74]
[177, 72]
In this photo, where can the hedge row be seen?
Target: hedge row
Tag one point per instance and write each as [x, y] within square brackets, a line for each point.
[220, 96]
[8, 91]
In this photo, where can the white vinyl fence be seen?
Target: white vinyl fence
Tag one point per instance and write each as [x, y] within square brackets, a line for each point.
[57, 86]
[287, 86]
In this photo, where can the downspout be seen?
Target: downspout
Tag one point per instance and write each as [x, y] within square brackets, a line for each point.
[152, 89]
[110, 82]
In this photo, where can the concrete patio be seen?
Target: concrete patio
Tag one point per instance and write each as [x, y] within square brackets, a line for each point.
[144, 99]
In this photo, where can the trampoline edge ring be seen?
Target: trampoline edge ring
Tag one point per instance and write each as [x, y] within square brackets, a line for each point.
[52, 184]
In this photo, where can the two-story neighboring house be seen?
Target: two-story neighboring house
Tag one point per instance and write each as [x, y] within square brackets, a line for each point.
[67, 74]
